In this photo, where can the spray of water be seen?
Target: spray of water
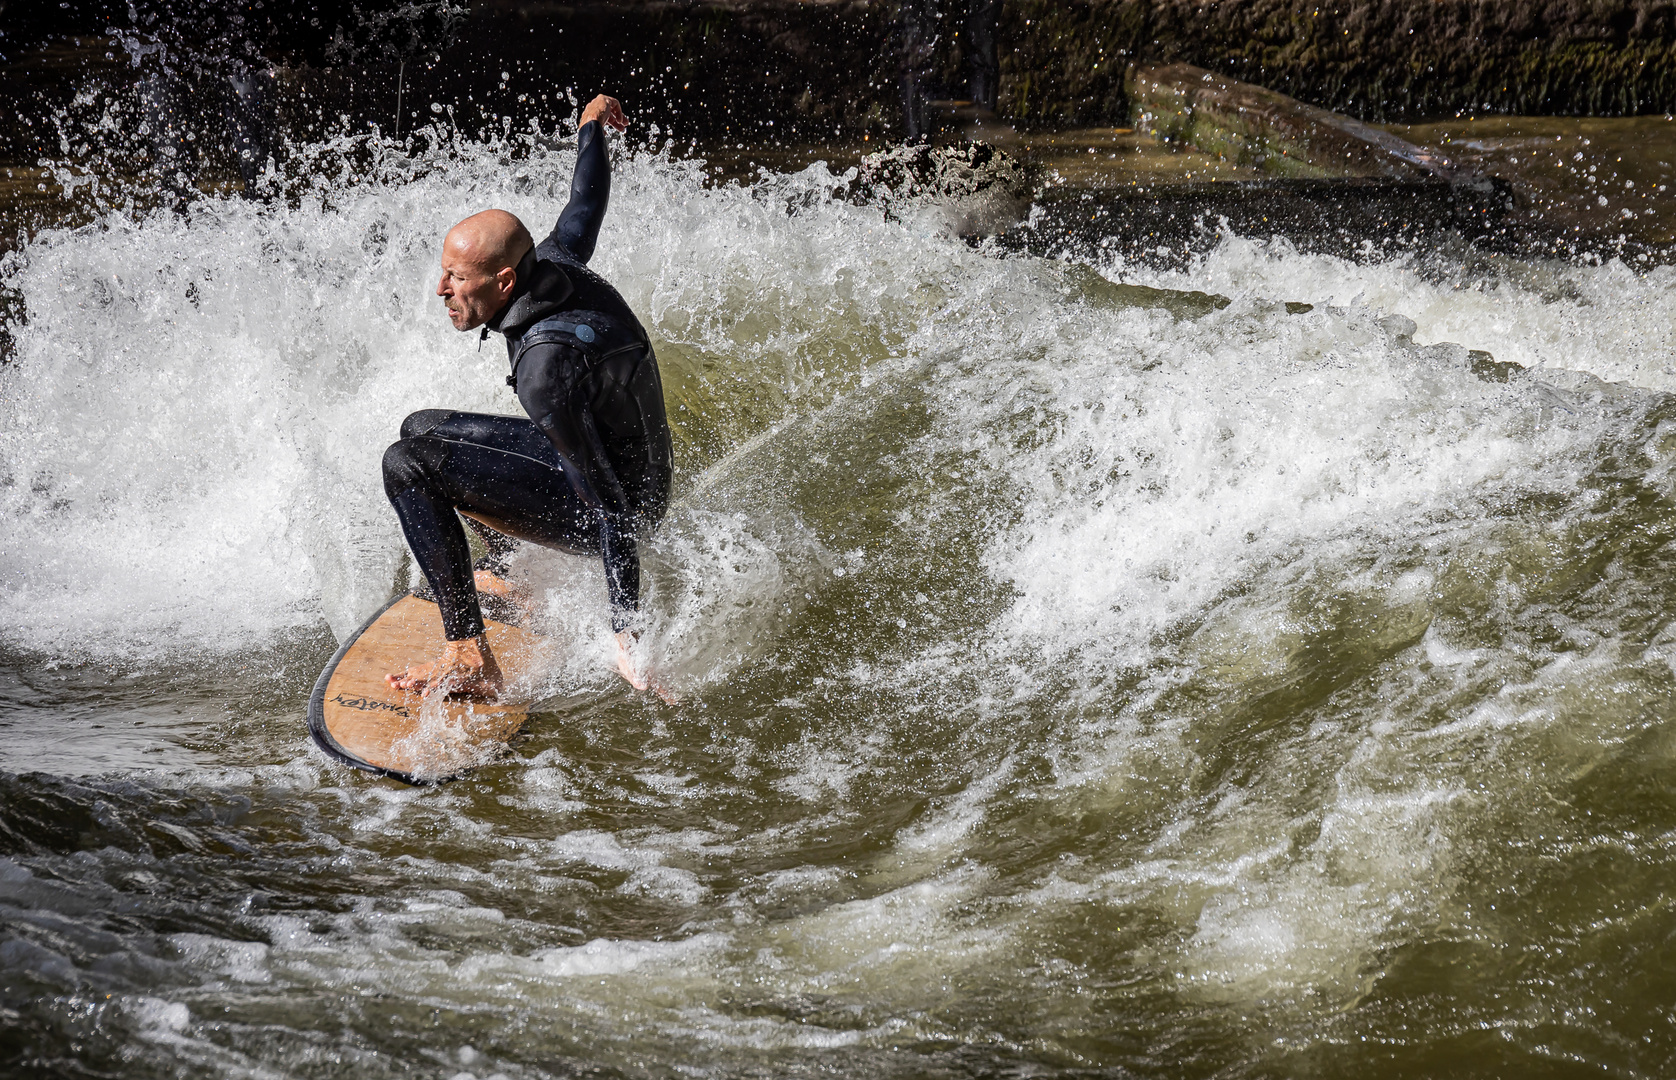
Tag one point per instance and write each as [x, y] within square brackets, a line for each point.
[1046, 657]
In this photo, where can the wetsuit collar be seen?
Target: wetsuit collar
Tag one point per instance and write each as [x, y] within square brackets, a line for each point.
[542, 289]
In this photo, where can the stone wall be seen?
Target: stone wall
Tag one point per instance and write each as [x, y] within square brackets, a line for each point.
[1374, 59]
[825, 69]
[816, 63]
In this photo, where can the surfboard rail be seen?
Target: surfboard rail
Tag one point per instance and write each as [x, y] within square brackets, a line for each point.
[358, 719]
[317, 708]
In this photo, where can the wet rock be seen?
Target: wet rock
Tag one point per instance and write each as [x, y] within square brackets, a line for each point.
[1269, 130]
[983, 189]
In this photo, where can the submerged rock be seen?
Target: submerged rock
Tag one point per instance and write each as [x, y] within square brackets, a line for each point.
[982, 188]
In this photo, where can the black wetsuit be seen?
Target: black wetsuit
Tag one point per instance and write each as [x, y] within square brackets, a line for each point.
[589, 471]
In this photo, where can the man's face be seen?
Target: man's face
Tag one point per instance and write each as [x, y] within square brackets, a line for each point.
[471, 292]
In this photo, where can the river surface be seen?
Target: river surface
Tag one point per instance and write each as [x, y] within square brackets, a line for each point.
[1605, 179]
[1070, 679]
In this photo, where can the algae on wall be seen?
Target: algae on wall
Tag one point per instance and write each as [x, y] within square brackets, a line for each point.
[1062, 60]
[827, 69]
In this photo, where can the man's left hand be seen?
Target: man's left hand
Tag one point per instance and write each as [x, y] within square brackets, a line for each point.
[627, 666]
[607, 110]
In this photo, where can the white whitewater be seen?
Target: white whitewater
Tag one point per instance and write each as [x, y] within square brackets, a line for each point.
[1159, 675]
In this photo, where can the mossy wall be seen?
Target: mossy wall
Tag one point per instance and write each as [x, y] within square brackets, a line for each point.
[1063, 61]
[1377, 60]
[817, 69]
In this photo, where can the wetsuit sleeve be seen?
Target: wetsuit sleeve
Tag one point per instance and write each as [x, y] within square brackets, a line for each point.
[552, 391]
[590, 191]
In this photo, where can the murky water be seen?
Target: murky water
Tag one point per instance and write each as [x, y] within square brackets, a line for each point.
[1597, 178]
[1065, 685]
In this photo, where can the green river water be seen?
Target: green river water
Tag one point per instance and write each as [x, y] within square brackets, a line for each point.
[1071, 682]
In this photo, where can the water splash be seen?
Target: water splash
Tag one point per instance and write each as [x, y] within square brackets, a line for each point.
[1057, 665]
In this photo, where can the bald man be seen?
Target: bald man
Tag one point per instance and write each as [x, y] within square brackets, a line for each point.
[587, 471]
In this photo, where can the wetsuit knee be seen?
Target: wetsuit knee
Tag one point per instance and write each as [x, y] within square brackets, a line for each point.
[411, 462]
[423, 422]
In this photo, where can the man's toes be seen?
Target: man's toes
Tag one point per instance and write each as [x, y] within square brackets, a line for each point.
[407, 680]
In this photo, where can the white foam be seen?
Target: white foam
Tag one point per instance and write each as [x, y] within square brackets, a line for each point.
[1155, 504]
[602, 957]
[1534, 315]
[158, 1019]
[239, 961]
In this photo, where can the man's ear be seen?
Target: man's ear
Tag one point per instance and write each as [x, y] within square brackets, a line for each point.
[506, 278]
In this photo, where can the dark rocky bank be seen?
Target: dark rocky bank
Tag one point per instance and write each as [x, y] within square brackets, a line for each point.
[822, 69]
[1378, 60]
[822, 66]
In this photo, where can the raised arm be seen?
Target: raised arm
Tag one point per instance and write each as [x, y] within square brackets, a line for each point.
[590, 188]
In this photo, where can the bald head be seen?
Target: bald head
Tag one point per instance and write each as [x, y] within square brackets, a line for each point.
[479, 266]
[490, 241]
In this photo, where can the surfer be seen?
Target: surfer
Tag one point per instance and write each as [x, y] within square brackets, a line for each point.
[588, 472]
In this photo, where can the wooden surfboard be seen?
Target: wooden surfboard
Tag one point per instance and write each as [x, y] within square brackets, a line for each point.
[359, 719]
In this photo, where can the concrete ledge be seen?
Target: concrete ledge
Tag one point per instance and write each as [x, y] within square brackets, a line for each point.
[1280, 135]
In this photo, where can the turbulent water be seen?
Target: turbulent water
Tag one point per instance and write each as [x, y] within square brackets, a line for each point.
[1070, 678]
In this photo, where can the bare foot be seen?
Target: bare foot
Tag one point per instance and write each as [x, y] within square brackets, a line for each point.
[467, 668]
[497, 588]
